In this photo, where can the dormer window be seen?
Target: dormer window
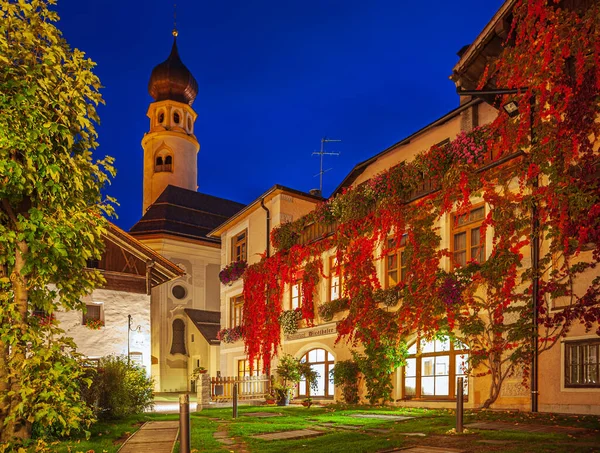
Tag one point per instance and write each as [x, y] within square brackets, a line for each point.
[176, 118]
[163, 162]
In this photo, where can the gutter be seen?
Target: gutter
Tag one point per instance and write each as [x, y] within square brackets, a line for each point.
[262, 205]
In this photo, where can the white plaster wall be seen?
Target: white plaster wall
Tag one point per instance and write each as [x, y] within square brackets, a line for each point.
[112, 338]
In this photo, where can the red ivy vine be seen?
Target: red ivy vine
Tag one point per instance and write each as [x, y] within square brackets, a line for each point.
[553, 55]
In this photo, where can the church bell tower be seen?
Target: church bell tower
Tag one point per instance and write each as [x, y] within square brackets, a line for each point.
[170, 146]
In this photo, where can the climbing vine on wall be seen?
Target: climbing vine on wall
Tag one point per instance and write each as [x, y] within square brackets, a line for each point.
[546, 157]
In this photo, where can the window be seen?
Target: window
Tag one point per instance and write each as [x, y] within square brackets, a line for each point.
[395, 263]
[176, 118]
[179, 292]
[467, 241]
[189, 124]
[178, 343]
[163, 162]
[237, 305]
[322, 362]
[244, 368]
[296, 295]
[433, 367]
[161, 117]
[239, 246]
[582, 359]
[93, 312]
[335, 280]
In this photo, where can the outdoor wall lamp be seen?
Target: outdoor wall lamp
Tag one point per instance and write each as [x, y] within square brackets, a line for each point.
[512, 110]
[138, 331]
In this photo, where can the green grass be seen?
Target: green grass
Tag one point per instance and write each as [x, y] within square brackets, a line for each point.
[107, 436]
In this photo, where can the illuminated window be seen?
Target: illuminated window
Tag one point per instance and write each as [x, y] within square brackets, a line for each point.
[178, 343]
[395, 263]
[432, 368]
[467, 241]
[236, 305]
[582, 364]
[335, 280]
[93, 312]
[322, 362]
[296, 294]
[244, 368]
[239, 246]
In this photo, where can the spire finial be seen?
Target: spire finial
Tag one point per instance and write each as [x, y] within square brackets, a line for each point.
[175, 32]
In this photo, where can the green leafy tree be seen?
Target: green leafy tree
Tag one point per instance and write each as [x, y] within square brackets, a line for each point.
[51, 215]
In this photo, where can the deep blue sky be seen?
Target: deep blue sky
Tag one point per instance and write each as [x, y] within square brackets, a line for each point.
[274, 77]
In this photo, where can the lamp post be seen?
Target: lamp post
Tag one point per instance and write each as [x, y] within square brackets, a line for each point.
[512, 109]
[129, 329]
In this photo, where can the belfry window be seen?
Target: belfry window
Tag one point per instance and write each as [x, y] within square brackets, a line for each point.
[161, 117]
[163, 163]
[176, 118]
[178, 343]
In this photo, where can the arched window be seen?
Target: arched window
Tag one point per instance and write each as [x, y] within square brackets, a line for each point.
[161, 117]
[163, 162]
[322, 362]
[159, 164]
[189, 124]
[176, 118]
[432, 368]
[178, 343]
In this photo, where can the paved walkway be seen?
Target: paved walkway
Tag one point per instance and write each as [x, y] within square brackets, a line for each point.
[526, 427]
[152, 437]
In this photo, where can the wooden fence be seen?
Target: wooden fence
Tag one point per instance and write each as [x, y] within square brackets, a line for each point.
[249, 387]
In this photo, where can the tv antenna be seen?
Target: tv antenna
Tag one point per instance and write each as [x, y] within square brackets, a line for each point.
[324, 153]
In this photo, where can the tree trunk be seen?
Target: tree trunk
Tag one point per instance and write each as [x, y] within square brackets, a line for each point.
[17, 428]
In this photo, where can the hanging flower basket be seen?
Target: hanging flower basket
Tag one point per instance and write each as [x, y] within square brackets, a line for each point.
[289, 320]
[230, 335]
[232, 272]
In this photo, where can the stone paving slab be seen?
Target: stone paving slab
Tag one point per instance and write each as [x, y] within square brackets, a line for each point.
[500, 426]
[382, 417]
[424, 449]
[152, 437]
[262, 414]
[413, 434]
[288, 435]
[378, 430]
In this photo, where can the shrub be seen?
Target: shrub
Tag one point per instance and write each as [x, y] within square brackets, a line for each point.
[346, 374]
[120, 388]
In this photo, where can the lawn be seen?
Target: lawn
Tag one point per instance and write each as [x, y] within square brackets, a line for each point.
[344, 433]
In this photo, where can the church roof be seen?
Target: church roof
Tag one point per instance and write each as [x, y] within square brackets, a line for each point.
[185, 213]
[171, 80]
[207, 322]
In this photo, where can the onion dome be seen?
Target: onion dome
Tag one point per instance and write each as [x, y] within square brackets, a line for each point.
[171, 80]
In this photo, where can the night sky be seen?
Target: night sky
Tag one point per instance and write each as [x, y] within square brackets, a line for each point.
[274, 77]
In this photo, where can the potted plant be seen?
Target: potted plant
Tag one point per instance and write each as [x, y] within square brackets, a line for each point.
[198, 371]
[307, 402]
[346, 375]
[270, 398]
[290, 372]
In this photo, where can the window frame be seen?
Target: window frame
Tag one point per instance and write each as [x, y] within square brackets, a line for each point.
[328, 365]
[236, 305]
[334, 271]
[86, 315]
[298, 298]
[467, 228]
[453, 353]
[568, 346]
[401, 266]
[239, 247]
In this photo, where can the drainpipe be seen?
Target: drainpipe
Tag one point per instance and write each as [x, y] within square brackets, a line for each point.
[535, 265]
[262, 205]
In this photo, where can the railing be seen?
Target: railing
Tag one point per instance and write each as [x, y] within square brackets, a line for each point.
[249, 387]
[314, 231]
